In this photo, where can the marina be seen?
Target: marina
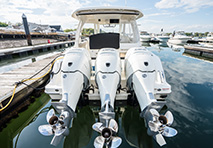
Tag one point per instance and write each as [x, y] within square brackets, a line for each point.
[115, 85]
[190, 115]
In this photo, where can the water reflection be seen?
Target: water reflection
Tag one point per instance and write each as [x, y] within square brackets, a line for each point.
[134, 128]
[9, 136]
[176, 48]
[191, 98]
[159, 45]
[81, 130]
[145, 44]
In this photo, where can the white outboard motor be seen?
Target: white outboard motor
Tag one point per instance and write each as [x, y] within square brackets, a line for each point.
[108, 78]
[75, 75]
[74, 78]
[145, 76]
[108, 74]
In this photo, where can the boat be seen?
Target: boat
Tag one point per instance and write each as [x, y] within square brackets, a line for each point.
[179, 38]
[144, 36]
[162, 37]
[115, 34]
[208, 41]
[210, 36]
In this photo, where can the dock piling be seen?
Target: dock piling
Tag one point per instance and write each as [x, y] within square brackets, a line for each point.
[26, 28]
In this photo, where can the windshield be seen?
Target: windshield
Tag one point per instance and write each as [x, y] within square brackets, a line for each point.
[125, 29]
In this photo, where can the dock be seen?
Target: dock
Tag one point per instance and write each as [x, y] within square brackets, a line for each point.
[21, 35]
[29, 50]
[199, 50]
[10, 79]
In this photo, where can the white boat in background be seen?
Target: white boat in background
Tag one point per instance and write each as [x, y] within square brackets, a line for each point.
[208, 41]
[210, 36]
[179, 38]
[144, 36]
[162, 37]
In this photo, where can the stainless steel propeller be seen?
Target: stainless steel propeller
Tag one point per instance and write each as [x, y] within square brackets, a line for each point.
[55, 127]
[107, 134]
[159, 126]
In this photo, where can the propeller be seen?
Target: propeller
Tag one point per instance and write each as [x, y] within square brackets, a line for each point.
[107, 134]
[159, 126]
[55, 127]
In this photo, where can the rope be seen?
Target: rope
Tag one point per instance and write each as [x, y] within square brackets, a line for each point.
[31, 78]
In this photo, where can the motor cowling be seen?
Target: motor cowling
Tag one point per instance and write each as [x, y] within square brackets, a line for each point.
[108, 73]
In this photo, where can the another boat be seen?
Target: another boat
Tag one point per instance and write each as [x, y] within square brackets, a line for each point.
[179, 38]
[210, 36]
[208, 41]
[162, 37]
[115, 33]
[144, 36]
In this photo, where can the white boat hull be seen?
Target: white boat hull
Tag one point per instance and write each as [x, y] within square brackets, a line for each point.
[162, 38]
[178, 41]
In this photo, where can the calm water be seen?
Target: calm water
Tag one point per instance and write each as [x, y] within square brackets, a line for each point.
[191, 103]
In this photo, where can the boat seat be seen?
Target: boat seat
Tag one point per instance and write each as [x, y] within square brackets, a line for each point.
[104, 40]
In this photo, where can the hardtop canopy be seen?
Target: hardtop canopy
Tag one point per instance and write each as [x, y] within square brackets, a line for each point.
[102, 14]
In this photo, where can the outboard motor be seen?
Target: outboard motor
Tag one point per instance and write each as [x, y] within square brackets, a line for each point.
[146, 78]
[74, 78]
[108, 78]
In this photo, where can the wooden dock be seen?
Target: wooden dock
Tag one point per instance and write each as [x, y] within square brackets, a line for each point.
[199, 50]
[28, 50]
[9, 79]
[8, 34]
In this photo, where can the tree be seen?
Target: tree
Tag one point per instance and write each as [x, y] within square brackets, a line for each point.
[206, 33]
[188, 33]
[196, 34]
[87, 31]
[68, 30]
[3, 24]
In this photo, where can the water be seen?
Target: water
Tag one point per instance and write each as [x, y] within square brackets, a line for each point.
[191, 103]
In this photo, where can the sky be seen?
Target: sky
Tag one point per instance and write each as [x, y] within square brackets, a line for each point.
[186, 15]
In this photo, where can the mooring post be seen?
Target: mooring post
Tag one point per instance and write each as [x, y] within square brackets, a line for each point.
[26, 28]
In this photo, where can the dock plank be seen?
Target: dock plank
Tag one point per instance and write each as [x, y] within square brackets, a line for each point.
[8, 79]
